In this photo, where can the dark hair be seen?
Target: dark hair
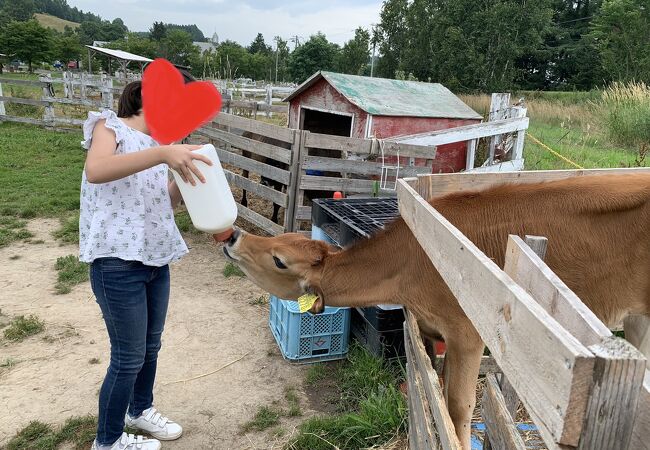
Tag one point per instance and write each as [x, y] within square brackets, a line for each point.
[130, 102]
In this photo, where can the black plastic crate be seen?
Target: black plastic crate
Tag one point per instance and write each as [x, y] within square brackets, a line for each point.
[383, 318]
[386, 344]
[347, 220]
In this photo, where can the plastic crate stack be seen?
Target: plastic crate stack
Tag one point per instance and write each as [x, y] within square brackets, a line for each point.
[380, 329]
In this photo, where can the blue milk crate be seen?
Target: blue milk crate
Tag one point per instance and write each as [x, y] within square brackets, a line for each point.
[307, 338]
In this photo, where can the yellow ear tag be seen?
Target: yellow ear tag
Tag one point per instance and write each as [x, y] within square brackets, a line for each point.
[306, 302]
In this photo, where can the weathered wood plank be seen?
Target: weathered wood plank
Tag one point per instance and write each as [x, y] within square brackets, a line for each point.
[258, 189]
[506, 166]
[414, 443]
[303, 213]
[431, 384]
[259, 220]
[7, 80]
[265, 170]
[430, 186]
[41, 122]
[367, 146]
[251, 145]
[517, 330]
[254, 126]
[294, 173]
[316, 183]
[254, 106]
[471, 154]
[74, 101]
[464, 133]
[612, 406]
[500, 427]
[535, 277]
[300, 154]
[23, 101]
[498, 111]
[641, 428]
[538, 245]
[356, 166]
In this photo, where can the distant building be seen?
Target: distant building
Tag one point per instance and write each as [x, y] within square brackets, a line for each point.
[100, 43]
[205, 46]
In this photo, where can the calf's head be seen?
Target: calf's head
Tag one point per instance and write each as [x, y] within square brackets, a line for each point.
[287, 266]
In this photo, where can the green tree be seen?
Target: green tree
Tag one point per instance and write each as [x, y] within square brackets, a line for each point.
[354, 56]
[620, 33]
[115, 29]
[178, 47]
[29, 41]
[192, 30]
[464, 44]
[91, 31]
[19, 10]
[67, 48]
[314, 55]
[158, 31]
[232, 60]
[259, 46]
[392, 35]
[568, 58]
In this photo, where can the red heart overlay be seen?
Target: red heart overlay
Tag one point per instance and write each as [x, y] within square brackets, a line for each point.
[173, 109]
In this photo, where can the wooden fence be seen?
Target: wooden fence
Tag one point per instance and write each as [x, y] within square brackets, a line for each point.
[299, 164]
[101, 92]
[583, 387]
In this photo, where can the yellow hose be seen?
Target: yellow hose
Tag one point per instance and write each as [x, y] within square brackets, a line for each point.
[546, 147]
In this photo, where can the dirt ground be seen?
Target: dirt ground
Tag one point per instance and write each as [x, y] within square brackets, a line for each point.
[212, 321]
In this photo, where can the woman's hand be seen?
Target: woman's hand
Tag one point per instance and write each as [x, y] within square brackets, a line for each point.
[180, 157]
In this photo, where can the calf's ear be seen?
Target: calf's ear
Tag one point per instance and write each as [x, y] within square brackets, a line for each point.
[317, 251]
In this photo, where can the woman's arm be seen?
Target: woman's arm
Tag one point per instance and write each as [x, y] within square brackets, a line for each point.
[174, 194]
[103, 165]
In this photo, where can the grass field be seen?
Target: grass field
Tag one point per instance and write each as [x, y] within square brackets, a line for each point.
[569, 123]
[48, 21]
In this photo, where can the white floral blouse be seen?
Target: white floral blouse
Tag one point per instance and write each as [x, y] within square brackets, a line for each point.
[131, 218]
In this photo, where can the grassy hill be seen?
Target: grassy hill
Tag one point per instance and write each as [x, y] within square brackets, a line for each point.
[49, 21]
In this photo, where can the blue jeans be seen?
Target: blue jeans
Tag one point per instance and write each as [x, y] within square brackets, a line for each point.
[133, 299]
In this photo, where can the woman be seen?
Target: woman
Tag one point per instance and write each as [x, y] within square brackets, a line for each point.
[128, 235]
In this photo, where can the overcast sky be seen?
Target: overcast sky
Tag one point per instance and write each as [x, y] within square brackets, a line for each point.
[241, 20]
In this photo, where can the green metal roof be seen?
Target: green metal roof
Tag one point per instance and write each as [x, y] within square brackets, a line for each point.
[384, 97]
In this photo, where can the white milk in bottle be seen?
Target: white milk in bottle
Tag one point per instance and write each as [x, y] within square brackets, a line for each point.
[210, 205]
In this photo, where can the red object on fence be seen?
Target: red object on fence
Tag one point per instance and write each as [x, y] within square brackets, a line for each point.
[338, 195]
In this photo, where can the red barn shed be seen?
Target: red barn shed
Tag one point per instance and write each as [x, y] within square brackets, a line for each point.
[364, 107]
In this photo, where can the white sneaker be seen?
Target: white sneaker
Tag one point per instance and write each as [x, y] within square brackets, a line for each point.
[155, 424]
[131, 442]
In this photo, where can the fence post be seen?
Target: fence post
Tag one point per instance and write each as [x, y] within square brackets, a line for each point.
[3, 112]
[498, 110]
[48, 113]
[299, 196]
[269, 100]
[107, 93]
[518, 149]
[471, 154]
[82, 86]
[294, 169]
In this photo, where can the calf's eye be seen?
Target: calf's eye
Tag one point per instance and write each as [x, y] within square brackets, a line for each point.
[279, 264]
